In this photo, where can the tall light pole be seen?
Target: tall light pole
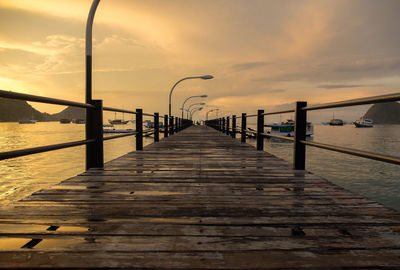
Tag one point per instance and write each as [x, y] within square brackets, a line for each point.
[195, 110]
[208, 113]
[183, 105]
[201, 103]
[89, 28]
[205, 77]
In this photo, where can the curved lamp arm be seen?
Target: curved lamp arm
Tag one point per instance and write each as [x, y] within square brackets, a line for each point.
[205, 77]
[89, 28]
[183, 105]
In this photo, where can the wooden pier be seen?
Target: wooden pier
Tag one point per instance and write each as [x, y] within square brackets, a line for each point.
[198, 200]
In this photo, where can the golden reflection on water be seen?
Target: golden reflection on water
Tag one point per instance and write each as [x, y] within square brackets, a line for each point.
[22, 176]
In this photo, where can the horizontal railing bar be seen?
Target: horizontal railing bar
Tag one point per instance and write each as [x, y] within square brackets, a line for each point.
[279, 112]
[354, 102]
[148, 114]
[33, 98]
[251, 115]
[354, 152]
[117, 110]
[41, 149]
[119, 136]
[278, 136]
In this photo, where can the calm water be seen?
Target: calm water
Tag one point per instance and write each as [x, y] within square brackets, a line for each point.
[22, 176]
[377, 180]
[373, 179]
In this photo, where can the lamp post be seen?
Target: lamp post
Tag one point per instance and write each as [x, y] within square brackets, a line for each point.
[183, 105]
[195, 110]
[201, 103]
[205, 77]
[208, 113]
[217, 112]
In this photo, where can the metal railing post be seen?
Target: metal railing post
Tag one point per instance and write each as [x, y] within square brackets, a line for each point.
[260, 130]
[171, 124]
[176, 124]
[299, 149]
[227, 125]
[94, 130]
[156, 127]
[243, 129]
[234, 126]
[166, 127]
[223, 124]
[139, 129]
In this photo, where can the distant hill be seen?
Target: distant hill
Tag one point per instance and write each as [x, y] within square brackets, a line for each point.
[384, 113]
[12, 110]
[70, 113]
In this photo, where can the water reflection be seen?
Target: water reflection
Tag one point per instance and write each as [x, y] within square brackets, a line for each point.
[373, 179]
[22, 176]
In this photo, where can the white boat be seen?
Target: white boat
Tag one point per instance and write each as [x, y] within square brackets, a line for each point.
[108, 125]
[363, 123]
[287, 129]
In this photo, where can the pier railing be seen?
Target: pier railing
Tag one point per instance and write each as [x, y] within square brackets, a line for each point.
[228, 125]
[94, 128]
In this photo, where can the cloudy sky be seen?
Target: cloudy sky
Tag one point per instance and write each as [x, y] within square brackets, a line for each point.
[264, 54]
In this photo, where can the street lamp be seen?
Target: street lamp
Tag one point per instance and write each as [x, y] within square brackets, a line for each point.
[201, 103]
[195, 110]
[217, 112]
[205, 77]
[183, 105]
[208, 113]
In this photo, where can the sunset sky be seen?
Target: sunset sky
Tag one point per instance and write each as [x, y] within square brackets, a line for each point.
[263, 54]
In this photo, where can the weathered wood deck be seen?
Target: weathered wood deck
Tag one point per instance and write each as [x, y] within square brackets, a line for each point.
[198, 199]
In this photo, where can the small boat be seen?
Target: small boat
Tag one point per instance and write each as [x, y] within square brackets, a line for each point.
[108, 125]
[287, 129]
[65, 121]
[336, 122]
[27, 121]
[129, 130]
[363, 123]
[149, 124]
[118, 122]
[78, 121]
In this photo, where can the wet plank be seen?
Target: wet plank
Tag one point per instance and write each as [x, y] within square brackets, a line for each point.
[198, 200]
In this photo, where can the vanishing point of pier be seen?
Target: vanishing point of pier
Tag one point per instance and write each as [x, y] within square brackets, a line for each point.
[198, 200]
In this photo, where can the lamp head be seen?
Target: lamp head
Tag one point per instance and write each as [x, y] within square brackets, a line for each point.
[203, 96]
[200, 108]
[207, 77]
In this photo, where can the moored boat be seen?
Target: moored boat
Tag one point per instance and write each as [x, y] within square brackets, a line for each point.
[65, 121]
[27, 121]
[118, 122]
[336, 122]
[129, 130]
[287, 129]
[78, 121]
[363, 123]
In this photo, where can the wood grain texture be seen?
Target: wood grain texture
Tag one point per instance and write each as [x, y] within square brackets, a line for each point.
[198, 200]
